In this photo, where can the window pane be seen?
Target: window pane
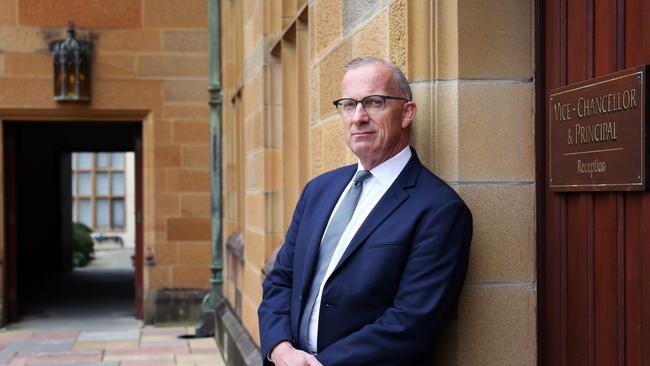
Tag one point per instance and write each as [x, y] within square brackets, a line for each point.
[118, 184]
[74, 184]
[101, 160]
[118, 213]
[74, 161]
[85, 160]
[101, 181]
[85, 213]
[118, 160]
[75, 211]
[102, 213]
[85, 187]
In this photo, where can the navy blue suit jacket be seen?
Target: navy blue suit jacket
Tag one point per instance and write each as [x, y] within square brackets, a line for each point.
[396, 285]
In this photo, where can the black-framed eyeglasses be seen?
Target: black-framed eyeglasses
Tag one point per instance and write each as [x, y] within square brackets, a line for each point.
[372, 104]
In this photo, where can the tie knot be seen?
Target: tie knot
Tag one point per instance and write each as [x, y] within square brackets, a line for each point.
[361, 176]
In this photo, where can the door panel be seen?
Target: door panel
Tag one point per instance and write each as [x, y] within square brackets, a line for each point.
[595, 256]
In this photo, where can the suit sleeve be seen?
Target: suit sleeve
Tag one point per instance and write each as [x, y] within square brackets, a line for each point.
[274, 311]
[426, 298]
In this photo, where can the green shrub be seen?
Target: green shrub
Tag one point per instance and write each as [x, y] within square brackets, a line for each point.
[82, 245]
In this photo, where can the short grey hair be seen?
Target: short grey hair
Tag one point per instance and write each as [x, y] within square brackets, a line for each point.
[398, 76]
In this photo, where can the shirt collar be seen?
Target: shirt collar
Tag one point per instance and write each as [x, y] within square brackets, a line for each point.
[387, 172]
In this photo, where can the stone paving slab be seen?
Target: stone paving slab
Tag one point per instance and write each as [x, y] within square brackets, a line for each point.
[128, 347]
[82, 364]
[128, 335]
[39, 346]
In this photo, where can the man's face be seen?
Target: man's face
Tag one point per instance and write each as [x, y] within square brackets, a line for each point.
[376, 138]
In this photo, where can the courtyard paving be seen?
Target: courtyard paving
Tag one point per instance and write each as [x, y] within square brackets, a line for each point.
[130, 347]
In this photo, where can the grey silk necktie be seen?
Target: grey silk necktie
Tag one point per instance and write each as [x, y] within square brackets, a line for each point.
[331, 239]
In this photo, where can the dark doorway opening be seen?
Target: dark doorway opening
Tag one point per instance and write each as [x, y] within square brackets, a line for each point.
[41, 284]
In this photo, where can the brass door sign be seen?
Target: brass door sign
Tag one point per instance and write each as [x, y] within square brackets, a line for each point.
[596, 132]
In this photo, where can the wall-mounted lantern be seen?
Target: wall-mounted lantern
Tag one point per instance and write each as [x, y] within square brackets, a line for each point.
[71, 59]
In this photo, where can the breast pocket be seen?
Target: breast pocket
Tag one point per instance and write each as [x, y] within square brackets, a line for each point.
[387, 244]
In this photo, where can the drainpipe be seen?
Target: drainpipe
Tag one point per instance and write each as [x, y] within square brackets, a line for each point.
[213, 299]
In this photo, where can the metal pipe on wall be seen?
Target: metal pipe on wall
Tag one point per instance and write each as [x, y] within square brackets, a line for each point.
[214, 298]
[216, 99]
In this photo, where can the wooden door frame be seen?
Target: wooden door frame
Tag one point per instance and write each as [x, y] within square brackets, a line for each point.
[8, 171]
[540, 169]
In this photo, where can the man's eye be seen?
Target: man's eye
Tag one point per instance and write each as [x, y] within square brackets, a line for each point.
[373, 103]
[347, 105]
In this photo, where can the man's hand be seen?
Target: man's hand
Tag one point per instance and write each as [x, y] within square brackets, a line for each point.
[285, 355]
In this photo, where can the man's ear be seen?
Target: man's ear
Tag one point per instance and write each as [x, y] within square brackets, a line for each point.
[409, 113]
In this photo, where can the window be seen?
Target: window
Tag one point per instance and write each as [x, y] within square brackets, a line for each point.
[99, 190]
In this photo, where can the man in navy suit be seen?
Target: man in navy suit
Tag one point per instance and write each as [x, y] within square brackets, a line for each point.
[376, 254]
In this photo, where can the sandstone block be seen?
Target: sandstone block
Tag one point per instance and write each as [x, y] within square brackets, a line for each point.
[26, 93]
[506, 254]
[255, 208]
[127, 40]
[252, 284]
[331, 74]
[195, 204]
[162, 132]
[190, 132]
[420, 42]
[188, 180]
[189, 229]
[113, 66]
[398, 35]
[496, 123]
[166, 253]
[195, 253]
[20, 65]
[176, 13]
[495, 39]
[372, 38]
[327, 24]
[198, 110]
[254, 248]
[27, 39]
[274, 172]
[8, 15]
[446, 45]
[423, 128]
[253, 30]
[185, 41]
[166, 204]
[167, 155]
[85, 13]
[157, 277]
[165, 65]
[127, 94]
[196, 156]
[496, 326]
[191, 277]
[254, 134]
[446, 120]
[356, 12]
[273, 123]
[249, 318]
[316, 150]
[253, 96]
[335, 150]
[186, 91]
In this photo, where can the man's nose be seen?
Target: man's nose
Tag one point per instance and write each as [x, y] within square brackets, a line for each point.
[360, 114]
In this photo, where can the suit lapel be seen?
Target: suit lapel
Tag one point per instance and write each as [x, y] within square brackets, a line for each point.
[324, 205]
[392, 199]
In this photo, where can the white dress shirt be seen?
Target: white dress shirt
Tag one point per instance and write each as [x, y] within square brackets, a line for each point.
[383, 176]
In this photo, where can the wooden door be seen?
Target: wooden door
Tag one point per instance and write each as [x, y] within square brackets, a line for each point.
[594, 248]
